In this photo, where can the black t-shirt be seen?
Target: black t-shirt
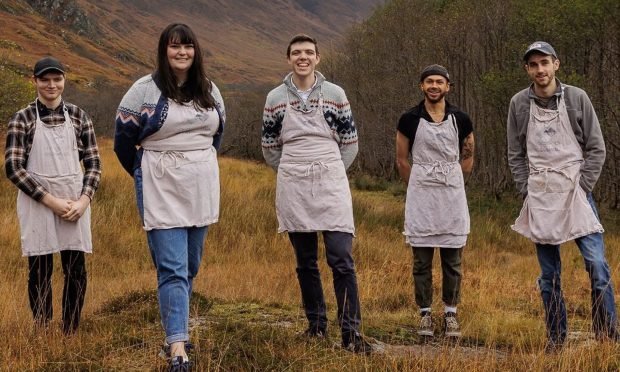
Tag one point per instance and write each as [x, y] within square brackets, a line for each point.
[408, 123]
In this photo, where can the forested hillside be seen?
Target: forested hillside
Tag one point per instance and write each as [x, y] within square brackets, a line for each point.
[481, 42]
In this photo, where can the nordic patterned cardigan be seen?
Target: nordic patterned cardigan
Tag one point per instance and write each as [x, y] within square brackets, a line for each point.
[141, 113]
[336, 110]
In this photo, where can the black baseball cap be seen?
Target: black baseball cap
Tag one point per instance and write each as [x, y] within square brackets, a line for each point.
[47, 64]
[434, 70]
[541, 47]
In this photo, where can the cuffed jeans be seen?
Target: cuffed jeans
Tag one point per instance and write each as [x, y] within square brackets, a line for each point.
[338, 247]
[74, 289]
[423, 275]
[604, 317]
[176, 254]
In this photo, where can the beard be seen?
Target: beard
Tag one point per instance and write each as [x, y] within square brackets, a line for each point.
[434, 100]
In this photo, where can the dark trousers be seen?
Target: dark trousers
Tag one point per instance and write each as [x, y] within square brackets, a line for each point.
[423, 275]
[338, 246]
[40, 288]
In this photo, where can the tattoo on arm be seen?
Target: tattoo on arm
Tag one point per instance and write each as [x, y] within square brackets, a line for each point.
[468, 147]
[467, 156]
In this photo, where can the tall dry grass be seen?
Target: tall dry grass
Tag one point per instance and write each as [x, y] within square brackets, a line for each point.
[248, 280]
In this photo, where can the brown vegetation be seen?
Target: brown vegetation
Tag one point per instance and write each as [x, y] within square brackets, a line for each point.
[246, 314]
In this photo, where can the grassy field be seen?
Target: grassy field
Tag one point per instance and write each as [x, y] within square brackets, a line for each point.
[246, 313]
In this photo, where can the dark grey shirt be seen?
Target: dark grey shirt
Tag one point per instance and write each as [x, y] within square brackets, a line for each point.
[583, 121]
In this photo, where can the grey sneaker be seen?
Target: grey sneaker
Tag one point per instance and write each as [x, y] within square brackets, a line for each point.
[451, 326]
[426, 325]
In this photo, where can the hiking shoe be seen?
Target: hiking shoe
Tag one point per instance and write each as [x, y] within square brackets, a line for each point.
[177, 364]
[451, 326]
[553, 347]
[314, 333]
[164, 352]
[356, 343]
[425, 328]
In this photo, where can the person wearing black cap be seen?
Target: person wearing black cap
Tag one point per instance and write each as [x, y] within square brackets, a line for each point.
[440, 139]
[44, 146]
[556, 152]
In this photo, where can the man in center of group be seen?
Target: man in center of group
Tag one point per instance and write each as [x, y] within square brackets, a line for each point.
[310, 139]
[441, 142]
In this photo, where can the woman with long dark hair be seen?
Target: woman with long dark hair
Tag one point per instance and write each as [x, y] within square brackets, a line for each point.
[168, 129]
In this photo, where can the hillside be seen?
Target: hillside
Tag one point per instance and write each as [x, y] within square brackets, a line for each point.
[115, 41]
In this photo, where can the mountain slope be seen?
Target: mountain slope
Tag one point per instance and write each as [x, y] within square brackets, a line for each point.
[115, 41]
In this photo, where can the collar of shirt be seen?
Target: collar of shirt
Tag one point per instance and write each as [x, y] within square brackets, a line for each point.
[45, 111]
[304, 94]
[424, 114]
[549, 103]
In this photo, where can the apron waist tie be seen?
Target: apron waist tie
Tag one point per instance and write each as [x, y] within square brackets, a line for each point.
[559, 170]
[437, 168]
[312, 168]
[160, 166]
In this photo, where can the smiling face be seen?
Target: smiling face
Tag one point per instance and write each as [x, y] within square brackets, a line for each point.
[303, 59]
[50, 87]
[541, 69]
[180, 58]
[435, 88]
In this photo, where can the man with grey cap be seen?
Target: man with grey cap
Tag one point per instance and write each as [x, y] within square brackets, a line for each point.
[440, 139]
[44, 146]
[556, 152]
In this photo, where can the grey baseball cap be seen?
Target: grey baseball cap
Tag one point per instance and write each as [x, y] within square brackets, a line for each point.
[541, 47]
[434, 70]
[48, 64]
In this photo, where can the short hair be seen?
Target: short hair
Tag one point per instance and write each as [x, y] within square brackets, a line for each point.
[300, 38]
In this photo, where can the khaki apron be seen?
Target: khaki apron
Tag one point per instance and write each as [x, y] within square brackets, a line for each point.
[436, 212]
[181, 184]
[312, 189]
[556, 208]
[54, 162]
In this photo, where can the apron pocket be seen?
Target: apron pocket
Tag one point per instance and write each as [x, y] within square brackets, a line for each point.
[549, 182]
[550, 226]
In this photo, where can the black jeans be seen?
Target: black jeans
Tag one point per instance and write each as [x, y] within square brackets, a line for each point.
[423, 275]
[338, 246]
[40, 288]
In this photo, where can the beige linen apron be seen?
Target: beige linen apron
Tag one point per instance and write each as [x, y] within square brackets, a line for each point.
[556, 208]
[436, 212]
[54, 162]
[180, 173]
[312, 189]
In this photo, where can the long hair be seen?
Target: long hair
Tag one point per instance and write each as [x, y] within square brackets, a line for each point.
[197, 87]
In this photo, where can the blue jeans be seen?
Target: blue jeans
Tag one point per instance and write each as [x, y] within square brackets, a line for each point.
[592, 248]
[176, 254]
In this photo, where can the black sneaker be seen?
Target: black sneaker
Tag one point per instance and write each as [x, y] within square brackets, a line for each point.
[451, 326]
[314, 333]
[356, 343]
[177, 364]
[553, 347]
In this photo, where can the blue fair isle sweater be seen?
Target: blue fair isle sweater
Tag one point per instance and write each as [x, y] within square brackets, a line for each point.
[142, 112]
[336, 110]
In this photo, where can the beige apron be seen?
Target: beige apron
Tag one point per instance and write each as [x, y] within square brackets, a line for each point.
[312, 189]
[180, 173]
[556, 208]
[436, 212]
[54, 162]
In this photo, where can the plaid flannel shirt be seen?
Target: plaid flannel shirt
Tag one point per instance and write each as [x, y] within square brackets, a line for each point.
[20, 134]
